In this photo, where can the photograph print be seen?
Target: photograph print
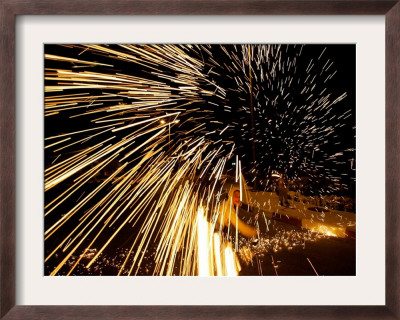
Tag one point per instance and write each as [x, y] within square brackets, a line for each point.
[199, 160]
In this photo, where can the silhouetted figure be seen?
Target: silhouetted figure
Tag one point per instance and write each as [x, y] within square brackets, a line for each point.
[283, 189]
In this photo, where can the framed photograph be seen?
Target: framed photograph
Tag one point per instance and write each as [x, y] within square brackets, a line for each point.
[228, 165]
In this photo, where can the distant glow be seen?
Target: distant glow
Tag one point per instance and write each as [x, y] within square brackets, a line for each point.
[332, 231]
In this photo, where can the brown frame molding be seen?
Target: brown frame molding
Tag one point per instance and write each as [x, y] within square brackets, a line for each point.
[9, 9]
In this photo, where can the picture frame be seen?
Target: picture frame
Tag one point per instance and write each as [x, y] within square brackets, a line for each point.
[8, 12]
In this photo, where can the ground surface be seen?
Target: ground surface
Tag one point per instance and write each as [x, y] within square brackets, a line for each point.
[327, 255]
[281, 249]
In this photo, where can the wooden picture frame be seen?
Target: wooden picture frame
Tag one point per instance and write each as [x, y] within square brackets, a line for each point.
[9, 9]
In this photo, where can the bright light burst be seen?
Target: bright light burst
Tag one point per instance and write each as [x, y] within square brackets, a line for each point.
[139, 138]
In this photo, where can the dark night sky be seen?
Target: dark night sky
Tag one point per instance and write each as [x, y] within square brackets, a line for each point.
[292, 132]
